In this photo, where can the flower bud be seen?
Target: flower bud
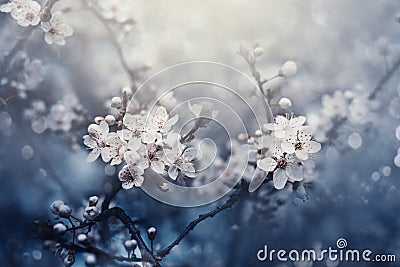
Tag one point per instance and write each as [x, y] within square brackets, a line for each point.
[288, 69]
[258, 51]
[116, 102]
[127, 91]
[152, 233]
[54, 207]
[130, 245]
[90, 260]
[64, 211]
[110, 119]
[90, 213]
[93, 201]
[45, 14]
[98, 119]
[69, 259]
[285, 103]
[60, 228]
[82, 238]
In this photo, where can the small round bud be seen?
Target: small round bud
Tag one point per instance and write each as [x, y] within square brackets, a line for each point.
[152, 233]
[64, 211]
[288, 69]
[258, 51]
[116, 102]
[130, 245]
[82, 238]
[98, 119]
[243, 136]
[110, 119]
[258, 133]
[54, 207]
[284, 103]
[60, 228]
[90, 260]
[69, 259]
[45, 14]
[93, 200]
[127, 91]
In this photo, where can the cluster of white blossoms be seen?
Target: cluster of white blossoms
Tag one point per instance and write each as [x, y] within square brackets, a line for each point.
[283, 147]
[30, 13]
[144, 140]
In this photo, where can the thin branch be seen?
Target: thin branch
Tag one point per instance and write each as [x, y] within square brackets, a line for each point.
[113, 38]
[384, 79]
[233, 198]
[120, 214]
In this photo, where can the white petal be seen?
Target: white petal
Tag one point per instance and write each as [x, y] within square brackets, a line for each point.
[89, 142]
[287, 147]
[267, 164]
[256, 182]
[295, 172]
[138, 181]
[279, 179]
[148, 137]
[157, 166]
[279, 134]
[312, 147]
[93, 155]
[297, 121]
[281, 120]
[128, 184]
[131, 157]
[173, 172]
[195, 109]
[104, 128]
[301, 154]
[134, 144]
[191, 153]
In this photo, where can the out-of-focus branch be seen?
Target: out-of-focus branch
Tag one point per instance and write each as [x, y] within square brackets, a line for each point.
[113, 38]
[384, 79]
[233, 198]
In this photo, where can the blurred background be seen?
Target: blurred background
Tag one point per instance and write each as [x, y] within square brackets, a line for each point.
[347, 84]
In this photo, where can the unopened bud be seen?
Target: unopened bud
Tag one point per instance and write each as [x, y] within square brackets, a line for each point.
[152, 233]
[60, 228]
[288, 69]
[82, 238]
[285, 103]
[64, 211]
[98, 119]
[258, 51]
[110, 119]
[130, 245]
[90, 260]
[116, 102]
[54, 207]
[93, 201]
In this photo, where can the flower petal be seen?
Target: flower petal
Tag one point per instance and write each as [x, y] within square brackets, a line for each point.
[173, 172]
[279, 179]
[295, 172]
[266, 164]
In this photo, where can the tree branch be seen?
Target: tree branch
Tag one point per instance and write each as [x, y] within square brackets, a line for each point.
[233, 198]
[384, 79]
[120, 214]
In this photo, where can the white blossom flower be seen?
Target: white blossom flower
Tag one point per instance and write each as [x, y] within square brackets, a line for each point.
[204, 113]
[25, 12]
[298, 141]
[155, 156]
[283, 167]
[283, 124]
[96, 140]
[131, 175]
[180, 159]
[335, 105]
[288, 69]
[134, 126]
[56, 30]
[158, 123]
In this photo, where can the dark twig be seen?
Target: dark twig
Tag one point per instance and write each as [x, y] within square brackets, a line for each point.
[233, 198]
[120, 214]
